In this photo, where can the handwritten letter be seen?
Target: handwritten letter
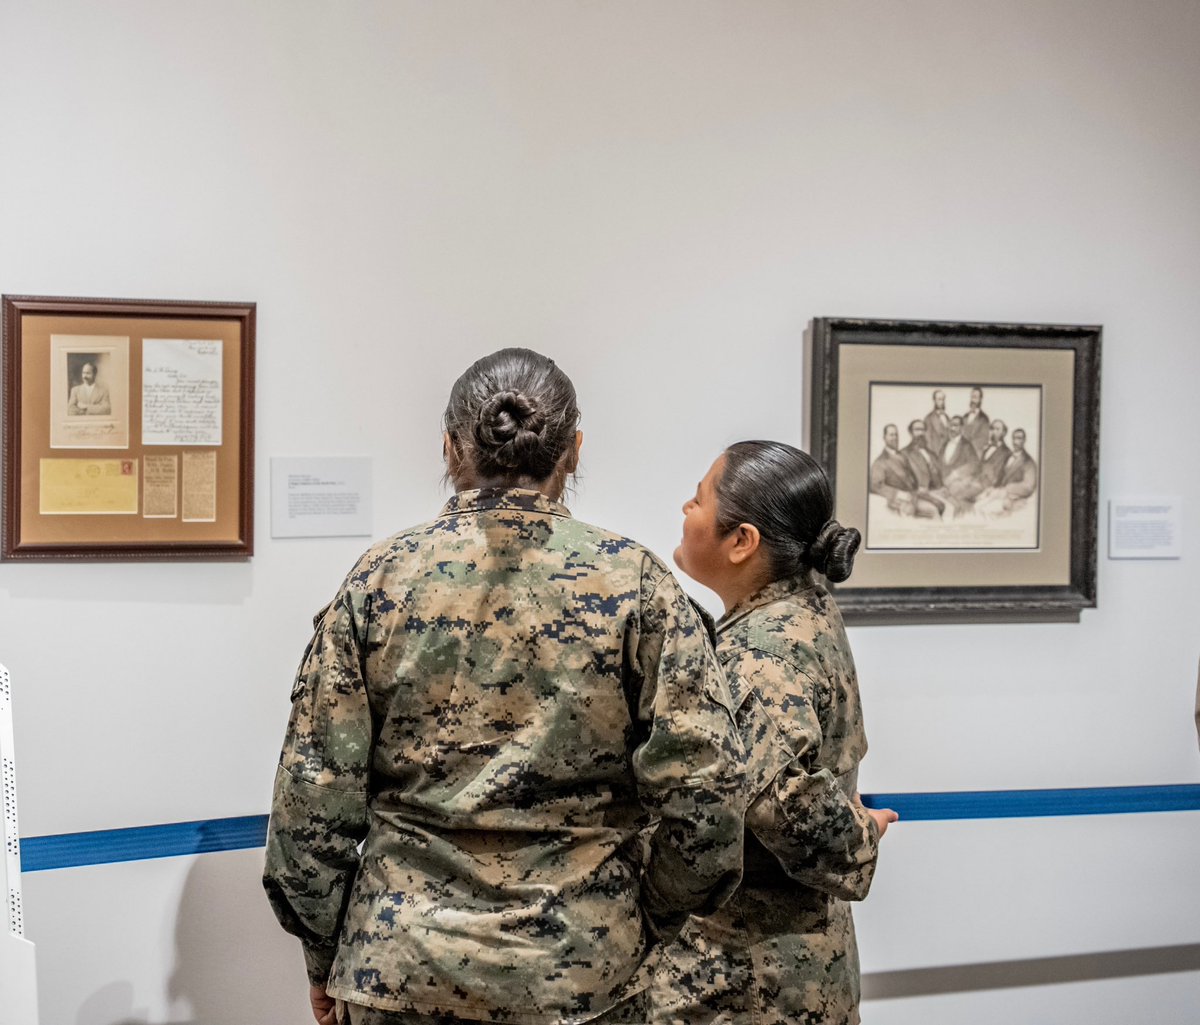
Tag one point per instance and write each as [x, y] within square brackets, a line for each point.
[181, 392]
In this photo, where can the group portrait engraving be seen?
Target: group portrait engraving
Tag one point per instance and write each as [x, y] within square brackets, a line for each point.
[953, 466]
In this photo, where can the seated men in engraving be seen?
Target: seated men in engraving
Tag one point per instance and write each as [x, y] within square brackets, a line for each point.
[90, 398]
[1017, 481]
[937, 424]
[925, 467]
[994, 458]
[959, 456]
[892, 477]
[924, 463]
[975, 422]
[990, 466]
[959, 464]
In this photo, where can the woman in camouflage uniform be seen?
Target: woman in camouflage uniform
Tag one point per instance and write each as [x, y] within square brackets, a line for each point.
[495, 706]
[757, 532]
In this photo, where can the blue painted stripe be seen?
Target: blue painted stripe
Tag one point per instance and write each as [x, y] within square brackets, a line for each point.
[1006, 804]
[71, 850]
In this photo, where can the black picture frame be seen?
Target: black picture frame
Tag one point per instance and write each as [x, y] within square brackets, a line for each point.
[857, 364]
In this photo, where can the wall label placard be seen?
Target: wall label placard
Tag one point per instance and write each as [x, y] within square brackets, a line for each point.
[1145, 527]
[321, 496]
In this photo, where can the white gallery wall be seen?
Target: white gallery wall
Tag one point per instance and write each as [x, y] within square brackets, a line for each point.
[660, 195]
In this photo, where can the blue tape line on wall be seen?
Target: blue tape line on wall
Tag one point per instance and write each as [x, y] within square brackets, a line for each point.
[71, 850]
[1006, 804]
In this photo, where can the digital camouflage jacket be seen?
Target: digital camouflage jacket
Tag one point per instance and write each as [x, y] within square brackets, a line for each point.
[496, 706]
[783, 950]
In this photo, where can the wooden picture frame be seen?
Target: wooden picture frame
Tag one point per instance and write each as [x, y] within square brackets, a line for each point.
[128, 429]
[972, 529]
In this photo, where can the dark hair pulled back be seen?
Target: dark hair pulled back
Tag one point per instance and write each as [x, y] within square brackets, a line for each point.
[511, 417]
[785, 494]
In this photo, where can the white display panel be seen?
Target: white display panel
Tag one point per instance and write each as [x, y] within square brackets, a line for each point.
[18, 979]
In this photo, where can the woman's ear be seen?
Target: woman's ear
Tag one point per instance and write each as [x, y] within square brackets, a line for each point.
[572, 463]
[450, 454]
[746, 541]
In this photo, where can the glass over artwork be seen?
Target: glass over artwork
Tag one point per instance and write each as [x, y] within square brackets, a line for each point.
[953, 466]
[128, 429]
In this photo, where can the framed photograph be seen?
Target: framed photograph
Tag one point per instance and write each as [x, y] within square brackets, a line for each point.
[967, 455]
[128, 429]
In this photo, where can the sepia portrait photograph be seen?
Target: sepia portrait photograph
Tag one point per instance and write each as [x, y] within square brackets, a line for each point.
[953, 466]
[89, 391]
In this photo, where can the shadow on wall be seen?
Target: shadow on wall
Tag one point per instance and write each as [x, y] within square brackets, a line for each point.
[232, 961]
[233, 964]
[113, 1003]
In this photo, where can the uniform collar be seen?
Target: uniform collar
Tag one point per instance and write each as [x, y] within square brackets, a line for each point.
[517, 499]
[776, 590]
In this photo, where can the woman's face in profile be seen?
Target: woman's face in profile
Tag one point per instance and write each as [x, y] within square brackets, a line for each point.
[699, 553]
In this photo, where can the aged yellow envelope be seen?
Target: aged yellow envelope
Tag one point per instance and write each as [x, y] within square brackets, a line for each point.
[88, 487]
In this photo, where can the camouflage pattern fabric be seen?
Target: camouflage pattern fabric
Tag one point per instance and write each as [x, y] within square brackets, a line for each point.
[783, 950]
[631, 1011]
[498, 705]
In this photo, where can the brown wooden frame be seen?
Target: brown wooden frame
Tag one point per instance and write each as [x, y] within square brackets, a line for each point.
[31, 325]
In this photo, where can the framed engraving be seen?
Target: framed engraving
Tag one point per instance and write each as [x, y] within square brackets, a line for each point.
[967, 455]
[128, 429]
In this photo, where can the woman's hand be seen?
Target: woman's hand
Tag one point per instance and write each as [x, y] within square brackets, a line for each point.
[883, 817]
[324, 1007]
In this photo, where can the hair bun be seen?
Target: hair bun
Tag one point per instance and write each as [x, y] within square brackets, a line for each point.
[832, 551]
[511, 421]
[509, 428]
